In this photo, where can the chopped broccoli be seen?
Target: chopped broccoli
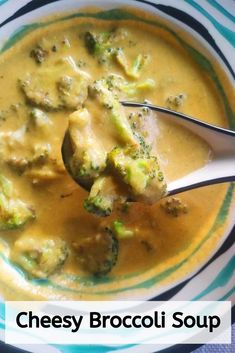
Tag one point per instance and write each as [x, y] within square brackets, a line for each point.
[72, 91]
[14, 213]
[99, 205]
[115, 111]
[134, 70]
[88, 157]
[39, 162]
[61, 85]
[140, 171]
[40, 156]
[104, 192]
[39, 54]
[98, 254]
[98, 44]
[130, 89]
[103, 46]
[121, 231]
[39, 119]
[40, 258]
[175, 102]
[174, 206]
[128, 172]
[100, 200]
[137, 65]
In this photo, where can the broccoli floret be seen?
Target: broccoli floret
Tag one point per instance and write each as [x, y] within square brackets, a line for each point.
[88, 158]
[174, 206]
[14, 213]
[101, 198]
[104, 192]
[101, 45]
[98, 44]
[115, 111]
[175, 102]
[119, 84]
[140, 171]
[99, 205]
[39, 54]
[40, 258]
[121, 231]
[58, 85]
[91, 42]
[98, 254]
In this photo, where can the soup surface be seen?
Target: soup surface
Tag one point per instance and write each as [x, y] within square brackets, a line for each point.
[44, 227]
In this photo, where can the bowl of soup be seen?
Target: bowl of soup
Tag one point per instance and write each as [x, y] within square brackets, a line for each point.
[58, 243]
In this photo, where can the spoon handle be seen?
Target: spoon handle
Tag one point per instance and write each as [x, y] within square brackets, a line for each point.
[216, 172]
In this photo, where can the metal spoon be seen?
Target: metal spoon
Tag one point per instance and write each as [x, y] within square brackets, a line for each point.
[222, 142]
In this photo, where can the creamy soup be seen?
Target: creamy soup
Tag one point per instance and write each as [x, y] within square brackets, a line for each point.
[47, 79]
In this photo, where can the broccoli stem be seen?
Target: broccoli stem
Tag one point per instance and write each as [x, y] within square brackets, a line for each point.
[100, 201]
[133, 89]
[115, 111]
[121, 231]
[134, 70]
[89, 155]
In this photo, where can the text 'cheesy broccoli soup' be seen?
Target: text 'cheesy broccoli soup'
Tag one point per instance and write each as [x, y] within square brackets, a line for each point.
[70, 76]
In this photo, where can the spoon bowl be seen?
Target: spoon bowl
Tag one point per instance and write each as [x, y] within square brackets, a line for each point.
[66, 154]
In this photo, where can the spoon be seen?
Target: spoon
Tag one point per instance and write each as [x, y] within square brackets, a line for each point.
[222, 141]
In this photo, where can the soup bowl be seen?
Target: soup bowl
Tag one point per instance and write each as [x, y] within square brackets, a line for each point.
[205, 270]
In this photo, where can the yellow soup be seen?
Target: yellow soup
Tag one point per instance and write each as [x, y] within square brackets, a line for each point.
[43, 223]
